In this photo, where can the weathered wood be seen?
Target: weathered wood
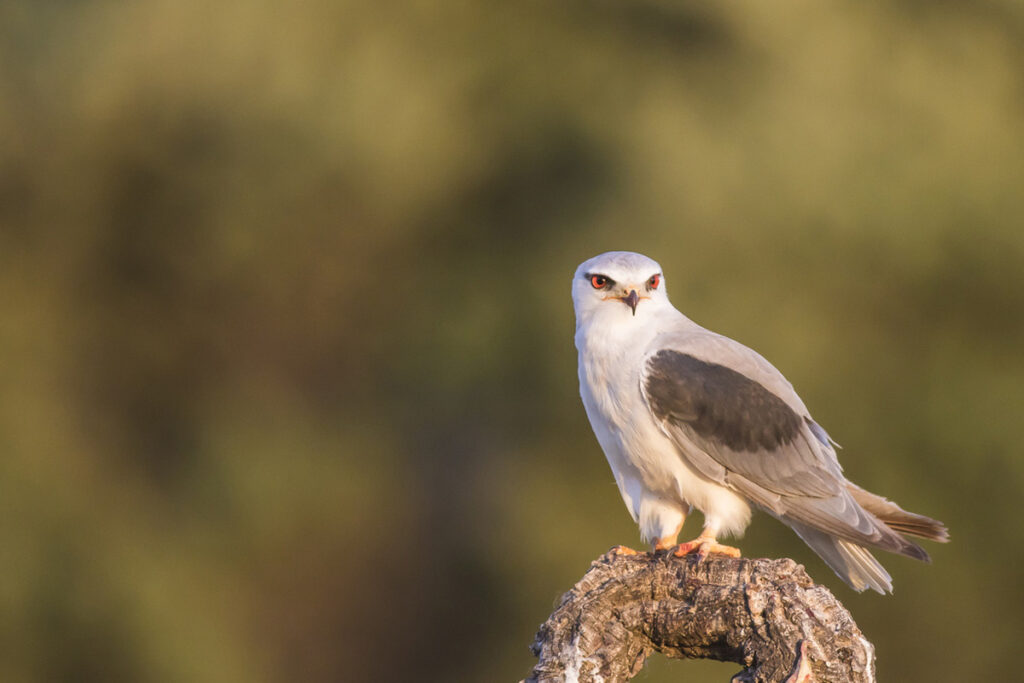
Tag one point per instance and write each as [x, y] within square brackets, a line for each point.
[766, 615]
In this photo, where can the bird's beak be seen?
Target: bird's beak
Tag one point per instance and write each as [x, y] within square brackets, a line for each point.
[631, 300]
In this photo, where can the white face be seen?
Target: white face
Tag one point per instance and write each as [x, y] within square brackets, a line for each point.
[618, 286]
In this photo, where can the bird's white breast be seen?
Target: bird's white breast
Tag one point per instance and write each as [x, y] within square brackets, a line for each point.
[655, 483]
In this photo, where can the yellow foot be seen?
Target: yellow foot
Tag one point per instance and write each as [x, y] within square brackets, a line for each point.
[670, 541]
[704, 547]
[622, 550]
[665, 544]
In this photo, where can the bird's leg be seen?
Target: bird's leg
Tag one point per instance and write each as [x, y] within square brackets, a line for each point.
[670, 541]
[706, 544]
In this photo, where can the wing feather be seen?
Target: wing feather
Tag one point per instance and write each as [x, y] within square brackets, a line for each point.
[739, 423]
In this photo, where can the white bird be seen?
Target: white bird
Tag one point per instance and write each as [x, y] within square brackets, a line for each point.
[688, 419]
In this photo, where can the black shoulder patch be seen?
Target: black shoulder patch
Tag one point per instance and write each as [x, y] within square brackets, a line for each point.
[718, 403]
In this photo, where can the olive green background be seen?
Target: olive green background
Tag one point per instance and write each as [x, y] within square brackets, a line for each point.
[288, 389]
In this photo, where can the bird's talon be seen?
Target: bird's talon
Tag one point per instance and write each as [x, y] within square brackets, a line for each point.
[727, 550]
[686, 548]
[704, 547]
[622, 550]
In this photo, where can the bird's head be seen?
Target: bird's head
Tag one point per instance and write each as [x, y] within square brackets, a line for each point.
[618, 285]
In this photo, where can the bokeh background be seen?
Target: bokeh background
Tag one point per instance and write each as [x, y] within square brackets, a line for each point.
[288, 389]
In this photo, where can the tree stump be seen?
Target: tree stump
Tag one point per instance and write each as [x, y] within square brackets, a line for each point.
[766, 615]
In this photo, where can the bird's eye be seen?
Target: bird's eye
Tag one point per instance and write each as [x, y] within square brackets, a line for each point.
[599, 281]
[653, 282]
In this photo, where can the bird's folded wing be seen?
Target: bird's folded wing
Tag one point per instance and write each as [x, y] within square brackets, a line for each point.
[735, 430]
[740, 424]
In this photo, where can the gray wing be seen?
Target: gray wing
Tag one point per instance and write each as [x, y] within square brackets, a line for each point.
[739, 425]
[738, 431]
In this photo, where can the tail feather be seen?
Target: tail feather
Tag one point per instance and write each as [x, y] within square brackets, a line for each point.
[898, 519]
[844, 549]
[851, 562]
[843, 518]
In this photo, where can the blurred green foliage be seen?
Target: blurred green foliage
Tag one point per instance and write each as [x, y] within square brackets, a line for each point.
[289, 391]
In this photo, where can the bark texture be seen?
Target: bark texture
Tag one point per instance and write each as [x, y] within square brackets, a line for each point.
[766, 615]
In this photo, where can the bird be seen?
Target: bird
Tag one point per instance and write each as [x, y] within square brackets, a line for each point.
[688, 418]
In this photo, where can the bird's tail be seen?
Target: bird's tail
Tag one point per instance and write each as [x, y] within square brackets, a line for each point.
[846, 553]
[898, 519]
[851, 562]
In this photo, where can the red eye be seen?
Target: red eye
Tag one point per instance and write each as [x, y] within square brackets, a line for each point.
[654, 282]
[599, 281]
